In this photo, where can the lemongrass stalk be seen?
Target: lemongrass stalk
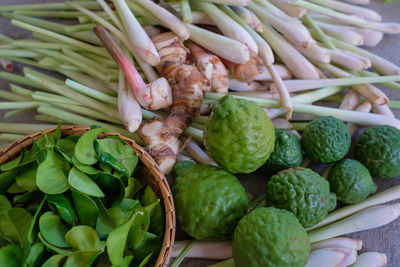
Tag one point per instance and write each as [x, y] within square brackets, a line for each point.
[6, 64]
[53, 27]
[41, 75]
[81, 120]
[110, 13]
[382, 109]
[204, 249]
[377, 199]
[299, 126]
[198, 154]
[372, 93]
[83, 66]
[264, 50]
[105, 62]
[91, 92]
[264, 75]
[186, 11]
[18, 53]
[12, 96]
[360, 12]
[296, 63]
[136, 35]
[281, 124]
[166, 18]
[20, 79]
[369, 218]
[220, 45]
[148, 70]
[301, 85]
[332, 257]
[46, 118]
[373, 259]
[258, 94]
[196, 134]
[295, 32]
[392, 85]
[5, 39]
[21, 91]
[87, 101]
[183, 253]
[79, 27]
[37, 44]
[84, 79]
[128, 107]
[19, 105]
[6, 137]
[351, 100]
[155, 95]
[48, 6]
[7, 46]
[232, 2]
[182, 157]
[315, 53]
[239, 86]
[59, 37]
[199, 17]
[49, 13]
[358, 2]
[15, 112]
[275, 11]
[335, 71]
[316, 95]
[52, 98]
[370, 37]
[343, 33]
[389, 28]
[85, 61]
[364, 107]
[338, 242]
[229, 27]
[346, 60]
[289, 8]
[248, 17]
[344, 115]
[23, 128]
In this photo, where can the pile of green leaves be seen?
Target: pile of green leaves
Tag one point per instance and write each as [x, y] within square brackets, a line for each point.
[74, 202]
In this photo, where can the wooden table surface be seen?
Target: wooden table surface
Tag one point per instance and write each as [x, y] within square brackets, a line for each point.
[385, 239]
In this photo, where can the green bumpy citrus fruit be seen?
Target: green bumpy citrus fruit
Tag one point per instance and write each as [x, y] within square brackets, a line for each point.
[239, 135]
[378, 148]
[351, 181]
[287, 152]
[270, 237]
[303, 192]
[326, 139]
[209, 201]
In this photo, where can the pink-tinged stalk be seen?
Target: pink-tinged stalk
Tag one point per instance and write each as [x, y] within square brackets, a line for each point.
[371, 259]
[372, 93]
[6, 64]
[338, 242]
[220, 45]
[289, 8]
[364, 107]
[370, 37]
[198, 154]
[128, 107]
[136, 35]
[383, 110]
[205, 250]
[344, 33]
[229, 27]
[232, 2]
[351, 100]
[212, 68]
[264, 75]
[332, 257]
[297, 33]
[249, 17]
[281, 124]
[239, 86]
[155, 95]
[360, 12]
[166, 18]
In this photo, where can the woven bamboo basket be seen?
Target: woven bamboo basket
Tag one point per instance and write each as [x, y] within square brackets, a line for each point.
[151, 175]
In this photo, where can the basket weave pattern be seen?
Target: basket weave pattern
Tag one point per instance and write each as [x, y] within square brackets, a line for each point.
[152, 176]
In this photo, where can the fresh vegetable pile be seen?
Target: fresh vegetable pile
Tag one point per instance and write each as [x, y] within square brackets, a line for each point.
[166, 71]
[73, 201]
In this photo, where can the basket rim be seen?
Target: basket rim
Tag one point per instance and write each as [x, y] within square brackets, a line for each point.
[163, 259]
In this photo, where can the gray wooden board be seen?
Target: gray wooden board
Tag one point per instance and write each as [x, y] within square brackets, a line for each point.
[385, 239]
